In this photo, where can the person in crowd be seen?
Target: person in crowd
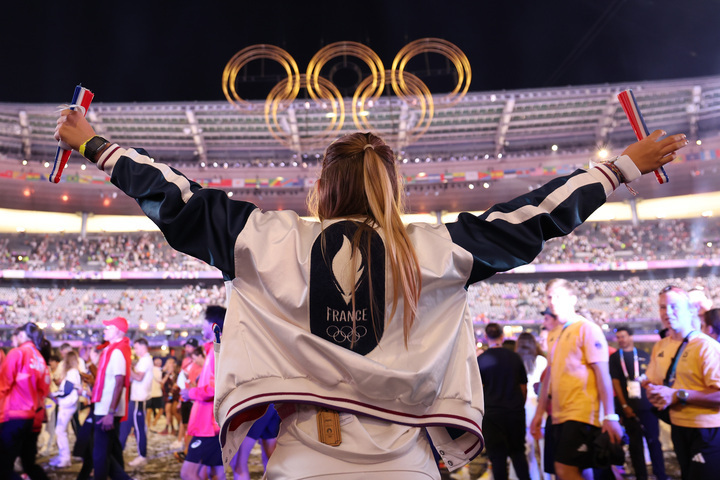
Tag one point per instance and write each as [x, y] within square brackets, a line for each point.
[690, 390]
[24, 384]
[198, 358]
[372, 362]
[64, 349]
[90, 356]
[84, 442]
[189, 371]
[663, 352]
[504, 381]
[141, 377]
[204, 450]
[110, 400]
[170, 397]
[579, 385]
[628, 365]
[28, 459]
[82, 368]
[711, 323]
[700, 304]
[535, 364]
[264, 430]
[66, 397]
[155, 405]
[546, 438]
[48, 437]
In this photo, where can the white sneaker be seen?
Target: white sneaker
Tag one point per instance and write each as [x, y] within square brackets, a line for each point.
[177, 445]
[139, 461]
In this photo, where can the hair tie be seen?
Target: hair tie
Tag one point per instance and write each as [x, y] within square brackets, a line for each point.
[369, 145]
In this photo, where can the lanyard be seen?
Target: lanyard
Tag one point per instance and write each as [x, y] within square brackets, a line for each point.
[670, 375]
[636, 372]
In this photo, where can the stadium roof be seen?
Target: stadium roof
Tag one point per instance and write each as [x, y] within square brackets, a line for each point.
[512, 139]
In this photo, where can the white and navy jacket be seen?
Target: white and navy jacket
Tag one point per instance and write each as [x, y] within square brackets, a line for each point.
[288, 334]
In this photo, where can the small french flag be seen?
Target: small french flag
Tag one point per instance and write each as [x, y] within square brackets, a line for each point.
[82, 97]
[637, 122]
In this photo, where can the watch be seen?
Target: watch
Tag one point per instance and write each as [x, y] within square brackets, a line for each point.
[682, 396]
[91, 148]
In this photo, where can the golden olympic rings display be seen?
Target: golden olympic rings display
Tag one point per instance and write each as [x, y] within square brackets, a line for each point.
[433, 45]
[321, 91]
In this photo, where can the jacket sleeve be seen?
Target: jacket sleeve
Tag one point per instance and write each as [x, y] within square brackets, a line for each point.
[201, 222]
[8, 369]
[512, 234]
[43, 387]
[204, 393]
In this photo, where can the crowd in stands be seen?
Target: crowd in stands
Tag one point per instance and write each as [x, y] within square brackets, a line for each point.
[602, 300]
[147, 251]
[502, 299]
[77, 306]
[595, 242]
[601, 242]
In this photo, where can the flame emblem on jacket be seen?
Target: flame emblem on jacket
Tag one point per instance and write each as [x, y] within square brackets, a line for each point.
[347, 270]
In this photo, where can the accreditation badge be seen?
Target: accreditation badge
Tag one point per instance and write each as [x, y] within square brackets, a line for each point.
[633, 389]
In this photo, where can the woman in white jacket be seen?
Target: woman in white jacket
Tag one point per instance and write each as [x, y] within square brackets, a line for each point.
[67, 398]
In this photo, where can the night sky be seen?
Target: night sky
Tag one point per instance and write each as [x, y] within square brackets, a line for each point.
[154, 51]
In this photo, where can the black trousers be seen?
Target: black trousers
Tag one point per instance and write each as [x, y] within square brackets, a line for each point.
[505, 437]
[18, 440]
[84, 447]
[645, 425]
[107, 453]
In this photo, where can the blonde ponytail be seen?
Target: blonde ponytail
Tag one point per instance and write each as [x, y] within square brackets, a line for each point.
[386, 206]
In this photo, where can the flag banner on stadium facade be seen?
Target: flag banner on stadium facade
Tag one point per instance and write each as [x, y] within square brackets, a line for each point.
[300, 182]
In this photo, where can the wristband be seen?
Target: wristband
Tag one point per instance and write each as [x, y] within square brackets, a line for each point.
[625, 405]
[90, 148]
[613, 417]
[614, 168]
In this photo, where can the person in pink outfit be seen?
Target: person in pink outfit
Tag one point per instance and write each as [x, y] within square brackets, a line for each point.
[204, 450]
[24, 384]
